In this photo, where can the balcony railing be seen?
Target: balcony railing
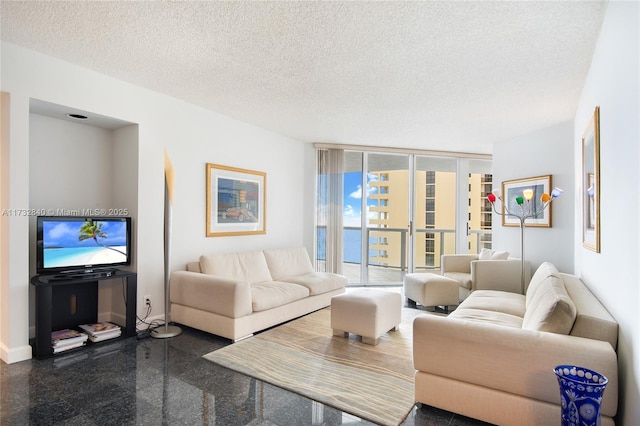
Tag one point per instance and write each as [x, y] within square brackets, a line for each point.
[439, 236]
[394, 272]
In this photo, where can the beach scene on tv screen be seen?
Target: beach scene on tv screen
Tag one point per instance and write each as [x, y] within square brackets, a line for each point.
[83, 243]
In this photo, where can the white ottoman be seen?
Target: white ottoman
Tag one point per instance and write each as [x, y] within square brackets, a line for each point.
[431, 289]
[368, 313]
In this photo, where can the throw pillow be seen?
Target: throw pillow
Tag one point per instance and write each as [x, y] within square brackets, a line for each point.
[544, 271]
[485, 254]
[500, 255]
[551, 309]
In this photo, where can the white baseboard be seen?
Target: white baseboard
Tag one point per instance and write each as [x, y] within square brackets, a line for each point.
[18, 354]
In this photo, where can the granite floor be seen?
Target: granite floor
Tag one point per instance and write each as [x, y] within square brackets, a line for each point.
[146, 381]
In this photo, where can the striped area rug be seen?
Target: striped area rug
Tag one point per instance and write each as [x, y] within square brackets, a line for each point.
[371, 382]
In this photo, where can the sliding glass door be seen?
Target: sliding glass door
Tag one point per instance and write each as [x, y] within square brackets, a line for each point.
[375, 217]
[398, 213]
[435, 211]
[387, 219]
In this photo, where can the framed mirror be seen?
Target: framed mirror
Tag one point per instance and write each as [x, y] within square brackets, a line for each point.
[591, 183]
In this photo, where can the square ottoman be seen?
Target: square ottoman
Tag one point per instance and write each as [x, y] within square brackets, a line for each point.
[431, 289]
[368, 313]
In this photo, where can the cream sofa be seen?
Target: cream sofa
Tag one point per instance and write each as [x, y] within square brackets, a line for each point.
[236, 294]
[492, 358]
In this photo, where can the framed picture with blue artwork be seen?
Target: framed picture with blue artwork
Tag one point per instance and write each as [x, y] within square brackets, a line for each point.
[512, 190]
[236, 201]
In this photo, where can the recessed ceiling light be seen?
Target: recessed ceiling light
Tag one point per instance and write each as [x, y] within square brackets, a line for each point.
[77, 116]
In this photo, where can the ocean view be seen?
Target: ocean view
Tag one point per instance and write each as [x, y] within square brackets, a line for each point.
[79, 256]
[351, 245]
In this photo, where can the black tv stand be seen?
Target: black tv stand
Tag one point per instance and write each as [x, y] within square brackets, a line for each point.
[89, 274]
[52, 292]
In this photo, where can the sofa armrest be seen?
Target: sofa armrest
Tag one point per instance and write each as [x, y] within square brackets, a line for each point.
[508, 359]
[504, 275]
[456, 262]
[209, 293]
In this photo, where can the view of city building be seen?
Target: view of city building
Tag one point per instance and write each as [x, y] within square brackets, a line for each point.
[434, 218]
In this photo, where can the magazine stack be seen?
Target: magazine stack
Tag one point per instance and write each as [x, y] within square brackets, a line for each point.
[64, 340]
[102, 331]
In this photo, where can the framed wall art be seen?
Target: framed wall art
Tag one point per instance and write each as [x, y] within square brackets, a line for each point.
[590, 187]
[236, 201]
[512, 189]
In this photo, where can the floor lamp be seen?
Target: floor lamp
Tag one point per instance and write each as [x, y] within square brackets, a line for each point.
[524, 212]
[167, 330]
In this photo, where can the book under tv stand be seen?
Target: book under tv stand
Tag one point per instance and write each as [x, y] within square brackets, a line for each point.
[52, 313]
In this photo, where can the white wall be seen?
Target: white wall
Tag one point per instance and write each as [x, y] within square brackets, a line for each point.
[125, 159]
[15, 230]
[192, 137]
[5, 332]
[613, 275]
[545, 152]
[70, 165]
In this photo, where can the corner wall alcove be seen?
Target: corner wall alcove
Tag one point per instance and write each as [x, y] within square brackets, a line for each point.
[78, 167]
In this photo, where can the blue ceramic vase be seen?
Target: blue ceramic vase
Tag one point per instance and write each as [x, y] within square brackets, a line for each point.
[580, 395]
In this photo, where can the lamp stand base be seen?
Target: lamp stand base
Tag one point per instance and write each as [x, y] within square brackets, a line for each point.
[165, 332]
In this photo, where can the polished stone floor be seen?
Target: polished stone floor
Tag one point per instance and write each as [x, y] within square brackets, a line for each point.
[146, 381]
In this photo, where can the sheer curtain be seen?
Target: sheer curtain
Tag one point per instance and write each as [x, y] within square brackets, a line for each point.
[330, 209]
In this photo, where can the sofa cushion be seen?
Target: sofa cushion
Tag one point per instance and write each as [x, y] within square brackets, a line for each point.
[495, 301]
[550, 308]
[248, 266]
[487, 317]
[318, 282]
[271, 294]
[543, 271]
[287, 262]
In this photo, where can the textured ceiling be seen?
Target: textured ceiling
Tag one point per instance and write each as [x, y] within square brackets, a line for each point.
[441, 75]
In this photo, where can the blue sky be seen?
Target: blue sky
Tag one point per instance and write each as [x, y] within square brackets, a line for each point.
[353, 198]
[65, 234]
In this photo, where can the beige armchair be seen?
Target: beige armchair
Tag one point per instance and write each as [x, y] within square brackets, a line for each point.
[474, 274]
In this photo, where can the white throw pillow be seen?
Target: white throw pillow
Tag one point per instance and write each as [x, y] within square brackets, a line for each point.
[500, 255]
[487, 254]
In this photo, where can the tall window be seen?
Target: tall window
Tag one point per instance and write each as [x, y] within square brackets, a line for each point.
[401, 212]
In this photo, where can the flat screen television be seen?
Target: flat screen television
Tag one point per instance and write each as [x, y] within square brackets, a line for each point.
[77, 245]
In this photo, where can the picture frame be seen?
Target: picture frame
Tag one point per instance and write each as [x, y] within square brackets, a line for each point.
[590, 215]
[236, 201]
[590, 185]
[513, 188]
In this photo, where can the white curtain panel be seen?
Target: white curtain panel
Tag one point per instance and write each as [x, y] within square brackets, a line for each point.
[330, 205]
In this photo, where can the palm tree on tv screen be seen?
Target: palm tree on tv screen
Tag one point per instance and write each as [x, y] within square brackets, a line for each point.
[91, 229]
